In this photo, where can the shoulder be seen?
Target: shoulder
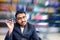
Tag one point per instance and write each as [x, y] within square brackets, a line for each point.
[16, 24]
[30, 25]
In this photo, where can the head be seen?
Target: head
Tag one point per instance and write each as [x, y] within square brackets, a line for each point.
[21, 18]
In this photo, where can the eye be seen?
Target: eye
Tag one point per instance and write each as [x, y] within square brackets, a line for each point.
[24, 16]
[19, 18]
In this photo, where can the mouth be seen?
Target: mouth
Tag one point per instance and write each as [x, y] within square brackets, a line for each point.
[23, 22]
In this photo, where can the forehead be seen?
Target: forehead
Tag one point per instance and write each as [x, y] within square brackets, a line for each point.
[21, 15]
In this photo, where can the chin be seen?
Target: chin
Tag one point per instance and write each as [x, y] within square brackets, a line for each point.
[23, 24]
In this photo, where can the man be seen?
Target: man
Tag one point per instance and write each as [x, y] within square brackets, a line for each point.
[21, 30]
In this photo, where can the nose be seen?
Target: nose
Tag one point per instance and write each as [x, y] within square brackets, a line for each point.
[23, 19]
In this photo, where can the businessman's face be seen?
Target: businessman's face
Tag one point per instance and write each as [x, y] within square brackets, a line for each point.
[21, 19]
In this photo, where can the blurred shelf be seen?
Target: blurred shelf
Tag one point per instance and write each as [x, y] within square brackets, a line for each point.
[44, 7]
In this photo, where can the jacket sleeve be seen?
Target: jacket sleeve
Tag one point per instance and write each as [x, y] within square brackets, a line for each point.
[9, 37]
[34, 35]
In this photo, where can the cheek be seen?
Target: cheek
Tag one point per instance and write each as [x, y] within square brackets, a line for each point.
[25, 19]
[19, 21]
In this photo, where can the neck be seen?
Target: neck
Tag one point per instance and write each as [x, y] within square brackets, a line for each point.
[22, 26]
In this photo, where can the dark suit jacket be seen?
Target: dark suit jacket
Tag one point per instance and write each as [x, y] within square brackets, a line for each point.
[29, 33]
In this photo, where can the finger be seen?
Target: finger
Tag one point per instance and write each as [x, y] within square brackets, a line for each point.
[8, 22]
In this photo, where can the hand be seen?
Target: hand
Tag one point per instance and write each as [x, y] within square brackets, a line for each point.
[10, 25]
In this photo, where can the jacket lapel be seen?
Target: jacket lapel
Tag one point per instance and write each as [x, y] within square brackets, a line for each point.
[17, 28]
[25, 29]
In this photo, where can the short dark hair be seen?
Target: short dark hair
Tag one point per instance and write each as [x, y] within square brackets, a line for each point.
[19, 12]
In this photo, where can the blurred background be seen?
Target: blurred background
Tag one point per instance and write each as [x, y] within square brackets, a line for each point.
[44, 14]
